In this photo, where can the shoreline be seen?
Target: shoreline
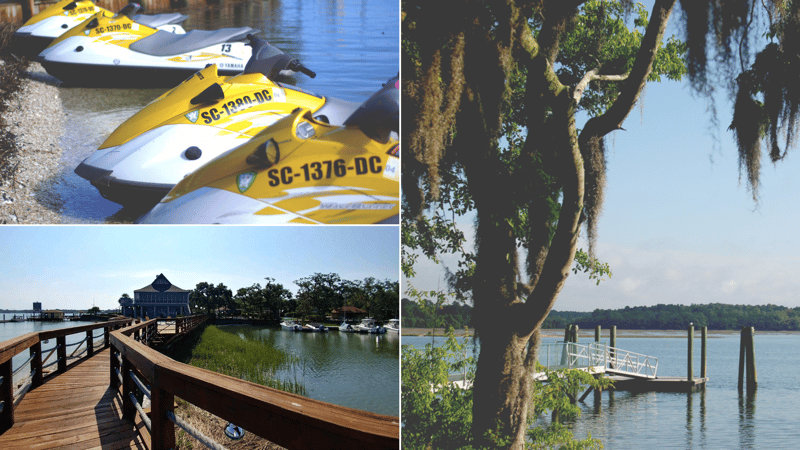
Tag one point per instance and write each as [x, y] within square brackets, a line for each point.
[36, 118]
[589, 333]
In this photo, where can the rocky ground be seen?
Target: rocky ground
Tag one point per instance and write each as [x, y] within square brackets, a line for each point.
[35, 116]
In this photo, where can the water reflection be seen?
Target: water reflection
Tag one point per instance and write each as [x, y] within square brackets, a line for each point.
[747, 410]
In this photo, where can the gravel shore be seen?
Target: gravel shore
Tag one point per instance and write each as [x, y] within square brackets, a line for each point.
[36, 117]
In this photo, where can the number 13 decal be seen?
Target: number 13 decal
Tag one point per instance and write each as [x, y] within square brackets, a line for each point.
[226, 48]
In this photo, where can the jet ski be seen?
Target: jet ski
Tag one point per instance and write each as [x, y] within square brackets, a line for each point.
[114, 50]
[197, 121]
[40, 31]
[300, 170]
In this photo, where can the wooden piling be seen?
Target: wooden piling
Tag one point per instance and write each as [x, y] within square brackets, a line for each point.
[689, 375]
[703, 353]
[612, 341]
[752, 377]
[597, 333]
[574, 334]
[747, 360]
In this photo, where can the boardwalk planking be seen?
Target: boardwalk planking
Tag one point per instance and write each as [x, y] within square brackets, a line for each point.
[74, 410]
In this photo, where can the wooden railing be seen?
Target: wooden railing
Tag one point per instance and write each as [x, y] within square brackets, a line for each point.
[289, 420]
[40, 360]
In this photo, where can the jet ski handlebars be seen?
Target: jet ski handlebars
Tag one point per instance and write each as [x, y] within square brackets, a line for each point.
[271, 61]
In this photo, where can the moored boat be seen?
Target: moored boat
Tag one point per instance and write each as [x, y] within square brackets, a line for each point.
[393, 326]
[368, 325]
[290, 325]
[314, 327]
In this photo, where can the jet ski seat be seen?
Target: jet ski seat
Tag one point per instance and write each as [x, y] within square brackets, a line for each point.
[157, 20]
[164, 43]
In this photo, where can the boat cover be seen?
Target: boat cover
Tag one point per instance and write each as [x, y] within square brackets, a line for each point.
[164, 43]
[157, 20]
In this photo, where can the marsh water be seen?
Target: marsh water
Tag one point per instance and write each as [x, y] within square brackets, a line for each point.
[352, 45]
[718, 417]
[359, 371]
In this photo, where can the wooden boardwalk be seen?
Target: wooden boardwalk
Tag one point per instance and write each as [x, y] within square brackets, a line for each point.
[73, 410]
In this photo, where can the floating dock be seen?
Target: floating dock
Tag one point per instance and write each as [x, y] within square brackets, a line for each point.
[659, 384]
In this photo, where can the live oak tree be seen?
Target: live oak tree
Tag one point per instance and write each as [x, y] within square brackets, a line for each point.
[491, 90]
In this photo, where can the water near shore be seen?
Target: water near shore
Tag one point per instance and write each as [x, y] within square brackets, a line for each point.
[353, 46]
[716, 418]
[359, 371]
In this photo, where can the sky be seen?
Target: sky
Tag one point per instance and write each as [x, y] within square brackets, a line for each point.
[678, 226]
[76, 267]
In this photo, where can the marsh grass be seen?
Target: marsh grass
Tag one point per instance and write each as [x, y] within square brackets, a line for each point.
[233, 355]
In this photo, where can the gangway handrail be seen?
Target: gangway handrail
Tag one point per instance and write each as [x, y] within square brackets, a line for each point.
[612, 359]
[293, 421]
[11, 391]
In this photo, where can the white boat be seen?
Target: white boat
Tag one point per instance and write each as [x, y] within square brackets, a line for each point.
[314, 327]
[393, 326]
[368, 325]
[290, 325]
[346, 327]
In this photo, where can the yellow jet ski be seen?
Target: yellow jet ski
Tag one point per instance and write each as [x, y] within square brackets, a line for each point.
[197, 121]
[40, 30]
[114, 50]
[300, 170]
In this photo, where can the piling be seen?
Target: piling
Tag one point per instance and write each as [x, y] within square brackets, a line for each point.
[703, 353]
[747, 360]
[574, 334]
[689, 375]
[597, 333]
[613, 341]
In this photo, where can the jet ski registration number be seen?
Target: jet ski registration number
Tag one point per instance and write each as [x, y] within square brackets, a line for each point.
[325, 169]
[112, 28]
[236, 105]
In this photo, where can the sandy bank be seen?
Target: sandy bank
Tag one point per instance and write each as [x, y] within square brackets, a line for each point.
[36, 117]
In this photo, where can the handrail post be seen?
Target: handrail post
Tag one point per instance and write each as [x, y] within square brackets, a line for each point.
[89, 343]
[36, 364]
[61, 353]
[162, 433]
[7, 396]
[114, 380]
[107, 336]
[128, 408]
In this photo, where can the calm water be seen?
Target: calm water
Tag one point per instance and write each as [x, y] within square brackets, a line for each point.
[717, 418]
[355, 370]
[352, 45]
[359, 371]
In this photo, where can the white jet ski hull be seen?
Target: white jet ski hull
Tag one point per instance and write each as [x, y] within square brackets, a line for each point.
[80, 60]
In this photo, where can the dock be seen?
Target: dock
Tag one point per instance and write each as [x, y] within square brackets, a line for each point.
[76, 408]
[658, 384]
[89, 396]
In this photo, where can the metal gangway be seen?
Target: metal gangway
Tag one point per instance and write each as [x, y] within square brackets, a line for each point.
[597, 357]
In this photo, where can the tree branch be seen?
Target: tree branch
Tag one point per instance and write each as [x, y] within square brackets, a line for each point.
[590, 76]
[612, 119]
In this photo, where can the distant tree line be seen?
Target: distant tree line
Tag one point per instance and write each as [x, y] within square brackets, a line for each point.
[318, 296]
[716, 316]
[428, 315]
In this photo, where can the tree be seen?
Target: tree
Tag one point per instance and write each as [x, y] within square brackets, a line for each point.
[209, 297]
[478, 71]
[257, 301]
[320, 293]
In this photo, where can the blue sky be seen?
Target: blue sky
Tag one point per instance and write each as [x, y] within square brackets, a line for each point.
[70, 267]
[678, 226]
